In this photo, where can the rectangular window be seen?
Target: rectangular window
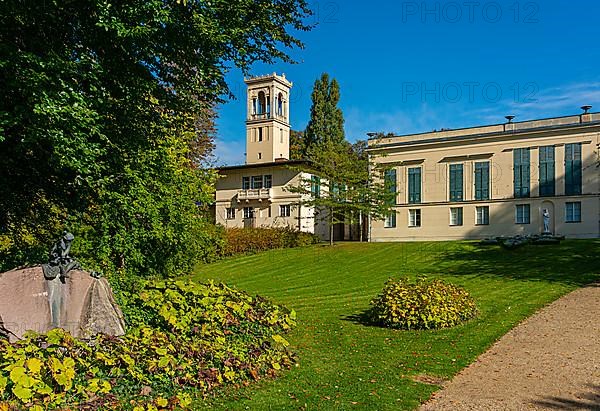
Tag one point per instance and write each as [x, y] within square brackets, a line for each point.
[391, 185]
[257, 182]
[523, 214]
[390, 220]
[267, 181]
[285, 210]
[482, 215]
[245, 183]
[260, 134]
[547, 171]
[573, 212]
[414, 185]
[456, 182]
[315, 186]
[231, 213]
[573, 169]
[248, 212]
[521, 159]
[456, 216]
[414, 218]
[482, 180]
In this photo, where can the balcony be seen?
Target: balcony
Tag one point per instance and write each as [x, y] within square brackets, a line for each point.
[255, 194]
[267, 116]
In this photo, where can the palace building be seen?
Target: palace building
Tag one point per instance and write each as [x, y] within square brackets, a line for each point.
[495, 180]
[255, 194]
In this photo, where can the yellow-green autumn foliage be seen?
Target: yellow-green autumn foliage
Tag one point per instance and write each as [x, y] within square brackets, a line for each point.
[194, 337]
[424, 304]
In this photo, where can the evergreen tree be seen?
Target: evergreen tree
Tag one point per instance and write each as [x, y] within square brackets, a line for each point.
[297, 145]
[326, 118]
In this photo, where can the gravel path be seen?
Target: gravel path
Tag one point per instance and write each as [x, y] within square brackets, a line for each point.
[550, 361]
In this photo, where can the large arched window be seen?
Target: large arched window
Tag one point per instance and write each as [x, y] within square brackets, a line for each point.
[262, 103]
[280, 104]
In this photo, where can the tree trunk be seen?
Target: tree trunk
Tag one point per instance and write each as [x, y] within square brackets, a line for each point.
[360, 227]
[330, 226]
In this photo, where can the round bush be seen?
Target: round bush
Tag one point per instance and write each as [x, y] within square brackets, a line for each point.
[425, 304]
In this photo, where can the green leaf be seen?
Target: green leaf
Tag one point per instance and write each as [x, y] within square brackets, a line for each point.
[3, 383]
[34, 365]
[163, 362]
[280, 340]
[22, 393]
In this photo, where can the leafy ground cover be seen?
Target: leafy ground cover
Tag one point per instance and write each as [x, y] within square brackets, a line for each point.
[345, 364]
[190, 338]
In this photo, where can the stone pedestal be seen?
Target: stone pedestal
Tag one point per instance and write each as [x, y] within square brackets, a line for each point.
[83, 305]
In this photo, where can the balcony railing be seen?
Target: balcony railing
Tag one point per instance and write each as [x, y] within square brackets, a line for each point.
[255, 194]
[267, 116]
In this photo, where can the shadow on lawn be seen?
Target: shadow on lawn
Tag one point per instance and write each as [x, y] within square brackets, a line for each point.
[585, 401]
[572, 262]
[361, 319]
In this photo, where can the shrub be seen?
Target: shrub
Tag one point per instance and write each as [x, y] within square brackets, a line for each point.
[253, 240]
[425, 304]
[193, 338]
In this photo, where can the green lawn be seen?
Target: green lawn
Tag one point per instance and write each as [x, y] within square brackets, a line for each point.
[347, 365]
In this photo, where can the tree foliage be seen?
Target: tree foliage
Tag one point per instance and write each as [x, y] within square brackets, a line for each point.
[326, 118]
[349, 186]
[347, 192]
[107, 114]
[297, 145]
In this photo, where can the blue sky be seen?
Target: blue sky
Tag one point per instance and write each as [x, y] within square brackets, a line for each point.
[412, 66]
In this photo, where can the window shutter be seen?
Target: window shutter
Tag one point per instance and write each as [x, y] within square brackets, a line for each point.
[573, 169]
[456, 182]
[482, 181]
[414, 185]
[485, 181]
[521, 172]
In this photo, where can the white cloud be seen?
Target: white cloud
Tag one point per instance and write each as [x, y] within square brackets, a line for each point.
[359, 123]
[230, 152]
[558, 101]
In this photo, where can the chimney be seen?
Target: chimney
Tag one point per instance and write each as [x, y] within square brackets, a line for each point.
[585, 116]
[509, 126]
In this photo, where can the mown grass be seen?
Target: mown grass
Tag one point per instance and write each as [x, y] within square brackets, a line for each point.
[346, 365]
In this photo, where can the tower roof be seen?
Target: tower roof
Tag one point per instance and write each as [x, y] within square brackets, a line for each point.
[268, 77]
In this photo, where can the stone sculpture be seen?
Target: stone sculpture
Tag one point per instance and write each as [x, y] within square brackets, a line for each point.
[546, 217]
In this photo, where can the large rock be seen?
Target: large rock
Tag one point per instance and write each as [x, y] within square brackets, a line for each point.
[83, 305]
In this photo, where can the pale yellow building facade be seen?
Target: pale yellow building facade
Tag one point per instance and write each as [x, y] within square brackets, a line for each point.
[491, 181]
[257, 193]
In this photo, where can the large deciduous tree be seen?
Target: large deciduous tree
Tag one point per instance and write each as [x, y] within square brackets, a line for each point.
[107, 114]
[342, 188]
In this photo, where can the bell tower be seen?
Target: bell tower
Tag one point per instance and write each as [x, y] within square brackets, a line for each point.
[268, 119]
